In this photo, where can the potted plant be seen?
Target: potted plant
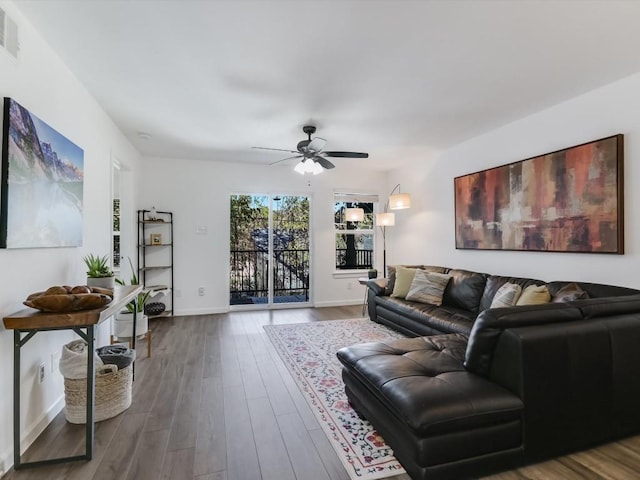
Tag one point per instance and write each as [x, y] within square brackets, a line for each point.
[373, 273]
[99, 273]
[123, 321]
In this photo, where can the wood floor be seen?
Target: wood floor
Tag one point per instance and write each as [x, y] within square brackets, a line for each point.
[214, 402]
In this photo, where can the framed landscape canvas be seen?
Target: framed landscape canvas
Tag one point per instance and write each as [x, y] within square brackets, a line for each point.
[42, 183]
[570, 200]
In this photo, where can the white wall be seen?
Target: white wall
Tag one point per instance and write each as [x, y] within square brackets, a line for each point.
[426, 234]
[41, 82]
[197, 192]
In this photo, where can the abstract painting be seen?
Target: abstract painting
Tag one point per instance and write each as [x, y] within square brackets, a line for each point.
[42, 183]
[570, 200]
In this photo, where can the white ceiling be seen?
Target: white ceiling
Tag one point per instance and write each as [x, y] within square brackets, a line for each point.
[395, 78]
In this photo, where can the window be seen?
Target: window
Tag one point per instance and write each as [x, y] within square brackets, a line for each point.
[354, 240]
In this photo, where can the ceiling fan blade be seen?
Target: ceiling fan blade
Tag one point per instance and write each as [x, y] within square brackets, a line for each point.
[288, 158]
[323, 162]
[346, 154]
[316, 144]
[275, 149]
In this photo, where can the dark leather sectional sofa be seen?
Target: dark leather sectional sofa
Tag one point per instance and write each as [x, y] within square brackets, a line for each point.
[479, 390]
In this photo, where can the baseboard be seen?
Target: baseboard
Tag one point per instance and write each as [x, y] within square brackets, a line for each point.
[200, 311]
[211, 311]
[338, 303]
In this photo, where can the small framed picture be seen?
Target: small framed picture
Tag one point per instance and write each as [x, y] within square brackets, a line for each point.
[156, 239]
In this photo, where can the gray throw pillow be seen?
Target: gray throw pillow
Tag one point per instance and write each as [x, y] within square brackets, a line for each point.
[568, 293]
[428, 287]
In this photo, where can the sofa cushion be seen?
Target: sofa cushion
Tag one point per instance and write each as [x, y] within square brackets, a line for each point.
[391, 273]
[494, 282]
[404, 278]
[569, 293]
[422, 382]
[506, 296]
[594, 290]
[428, 287]
[534, 295]
[465, 289]
[444, 318]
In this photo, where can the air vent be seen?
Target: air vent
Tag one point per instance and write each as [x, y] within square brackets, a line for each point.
[8, 34]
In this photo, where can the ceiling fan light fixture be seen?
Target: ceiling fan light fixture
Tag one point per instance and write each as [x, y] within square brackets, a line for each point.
[308, 166]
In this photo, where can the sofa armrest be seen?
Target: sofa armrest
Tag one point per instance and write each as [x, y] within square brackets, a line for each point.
[492, 322]
[576, 379]
[377, 286]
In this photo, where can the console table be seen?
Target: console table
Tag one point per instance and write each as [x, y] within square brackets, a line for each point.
[29, 322]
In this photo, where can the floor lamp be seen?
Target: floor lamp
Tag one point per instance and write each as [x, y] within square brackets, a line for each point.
[396, 201]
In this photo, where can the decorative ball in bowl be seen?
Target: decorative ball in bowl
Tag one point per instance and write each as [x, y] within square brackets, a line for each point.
[60, 299]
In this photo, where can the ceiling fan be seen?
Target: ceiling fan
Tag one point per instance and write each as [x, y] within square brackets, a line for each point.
[313, 158]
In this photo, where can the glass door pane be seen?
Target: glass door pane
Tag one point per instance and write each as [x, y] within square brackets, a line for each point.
[269, 250]
[290, 249]
[249, 250]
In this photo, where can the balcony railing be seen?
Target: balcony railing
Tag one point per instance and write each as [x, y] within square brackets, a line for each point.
[249, 276]
[359, 260]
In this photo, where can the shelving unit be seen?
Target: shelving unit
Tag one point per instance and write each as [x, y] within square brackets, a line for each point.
[155, 257]
[116, 234]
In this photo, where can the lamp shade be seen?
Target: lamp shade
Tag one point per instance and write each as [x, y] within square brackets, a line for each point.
[354, 214]
[399, 201]
[387, 219]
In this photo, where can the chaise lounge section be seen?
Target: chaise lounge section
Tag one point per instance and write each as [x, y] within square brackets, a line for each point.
[507, 387]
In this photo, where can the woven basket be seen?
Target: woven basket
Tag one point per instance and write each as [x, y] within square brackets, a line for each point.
[113, 394]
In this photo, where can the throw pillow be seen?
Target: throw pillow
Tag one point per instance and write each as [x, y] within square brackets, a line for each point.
[404, 277]
[568, 293]
[534, 295]
[506, 296]
[428, 287]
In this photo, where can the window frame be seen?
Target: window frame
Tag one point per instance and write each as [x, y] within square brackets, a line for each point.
[347, 200]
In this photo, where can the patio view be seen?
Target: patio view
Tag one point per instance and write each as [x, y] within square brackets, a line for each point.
[269, 247]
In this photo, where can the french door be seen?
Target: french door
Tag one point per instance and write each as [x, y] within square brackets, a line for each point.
[269, 250]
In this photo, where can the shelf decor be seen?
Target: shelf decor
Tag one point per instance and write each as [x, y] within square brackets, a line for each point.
[570, 200]
[41, 185]
[155, 239]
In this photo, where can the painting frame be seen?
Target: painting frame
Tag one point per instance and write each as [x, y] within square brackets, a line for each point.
[155, 239]
[41, 183]
[570, 200]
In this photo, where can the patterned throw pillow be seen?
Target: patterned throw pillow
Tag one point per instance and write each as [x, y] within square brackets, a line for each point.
[534, 295]
[506, 296]
[404, 277]
[568, 293]
[428, 287]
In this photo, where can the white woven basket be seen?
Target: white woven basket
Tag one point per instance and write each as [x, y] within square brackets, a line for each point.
[113, 394]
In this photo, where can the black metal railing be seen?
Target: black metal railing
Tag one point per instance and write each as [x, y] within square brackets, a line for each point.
[359, 259]
[249, 276]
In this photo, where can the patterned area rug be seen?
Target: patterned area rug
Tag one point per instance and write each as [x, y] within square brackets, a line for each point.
[309, 352]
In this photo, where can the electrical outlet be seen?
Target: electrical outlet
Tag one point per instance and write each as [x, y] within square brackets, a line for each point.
[41, 372]
[349, 285]
[201, 291]
[178, 293]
